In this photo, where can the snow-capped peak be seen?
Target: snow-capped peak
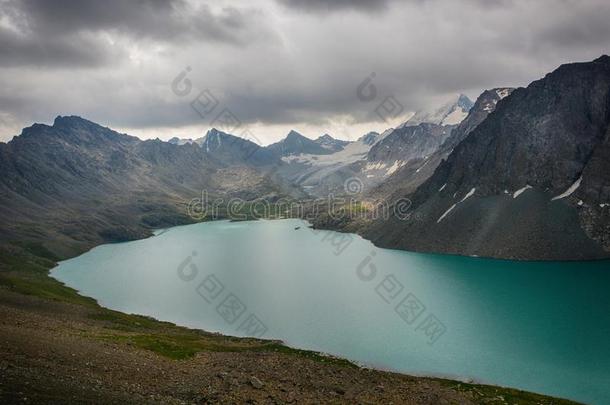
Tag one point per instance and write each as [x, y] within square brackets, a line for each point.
[451, 113]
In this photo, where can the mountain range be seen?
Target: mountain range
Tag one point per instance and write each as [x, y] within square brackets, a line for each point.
[520, 173]
[75, 183]
[530, 181]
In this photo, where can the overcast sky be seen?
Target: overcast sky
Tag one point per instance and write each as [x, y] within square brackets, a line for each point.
[275, 65]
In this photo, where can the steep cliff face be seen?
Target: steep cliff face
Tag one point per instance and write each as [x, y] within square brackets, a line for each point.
[409, 142]
[528, 182]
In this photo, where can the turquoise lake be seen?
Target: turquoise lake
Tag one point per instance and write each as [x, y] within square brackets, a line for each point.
[537, 326]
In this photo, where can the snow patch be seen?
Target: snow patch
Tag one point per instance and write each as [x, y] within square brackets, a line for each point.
[374, 166]
[569, 191]
[502, 93]
[446, 212]
[603, 205]
[470, 194]
[422, 166]
[301, 158]
[455, 117]
[397, 165]
[451, 113]
[580, 203]
[521, 191]
[352, 152]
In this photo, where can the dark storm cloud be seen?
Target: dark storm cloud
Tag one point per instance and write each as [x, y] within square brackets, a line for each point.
[276, 62]
[66, 51]
[164, 20]
[70, 32]
[335, 5]
[585, 27]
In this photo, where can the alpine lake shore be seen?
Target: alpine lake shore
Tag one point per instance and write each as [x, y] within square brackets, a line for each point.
[58, 346]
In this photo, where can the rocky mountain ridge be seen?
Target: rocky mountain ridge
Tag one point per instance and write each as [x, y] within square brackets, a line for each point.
[530, 181]
[76, 182]
[414, 172]
[523, 175]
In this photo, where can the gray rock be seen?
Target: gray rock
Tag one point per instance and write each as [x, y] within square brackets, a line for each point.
[256, 383]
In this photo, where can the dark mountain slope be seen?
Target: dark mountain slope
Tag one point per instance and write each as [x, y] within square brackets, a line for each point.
[234, 150]
[511, 188]
[76, 183]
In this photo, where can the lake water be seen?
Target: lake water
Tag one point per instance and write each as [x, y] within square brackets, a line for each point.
[538, 326]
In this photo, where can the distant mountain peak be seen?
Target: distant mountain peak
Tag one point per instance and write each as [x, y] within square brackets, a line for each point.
[180, 141]
[328, 142]
[214, 138]
[465, 102]
[233, 149]
[71, 120]
[294, 134]
[216, 132]
[451, 113]
[370, 138]
[295, 144]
